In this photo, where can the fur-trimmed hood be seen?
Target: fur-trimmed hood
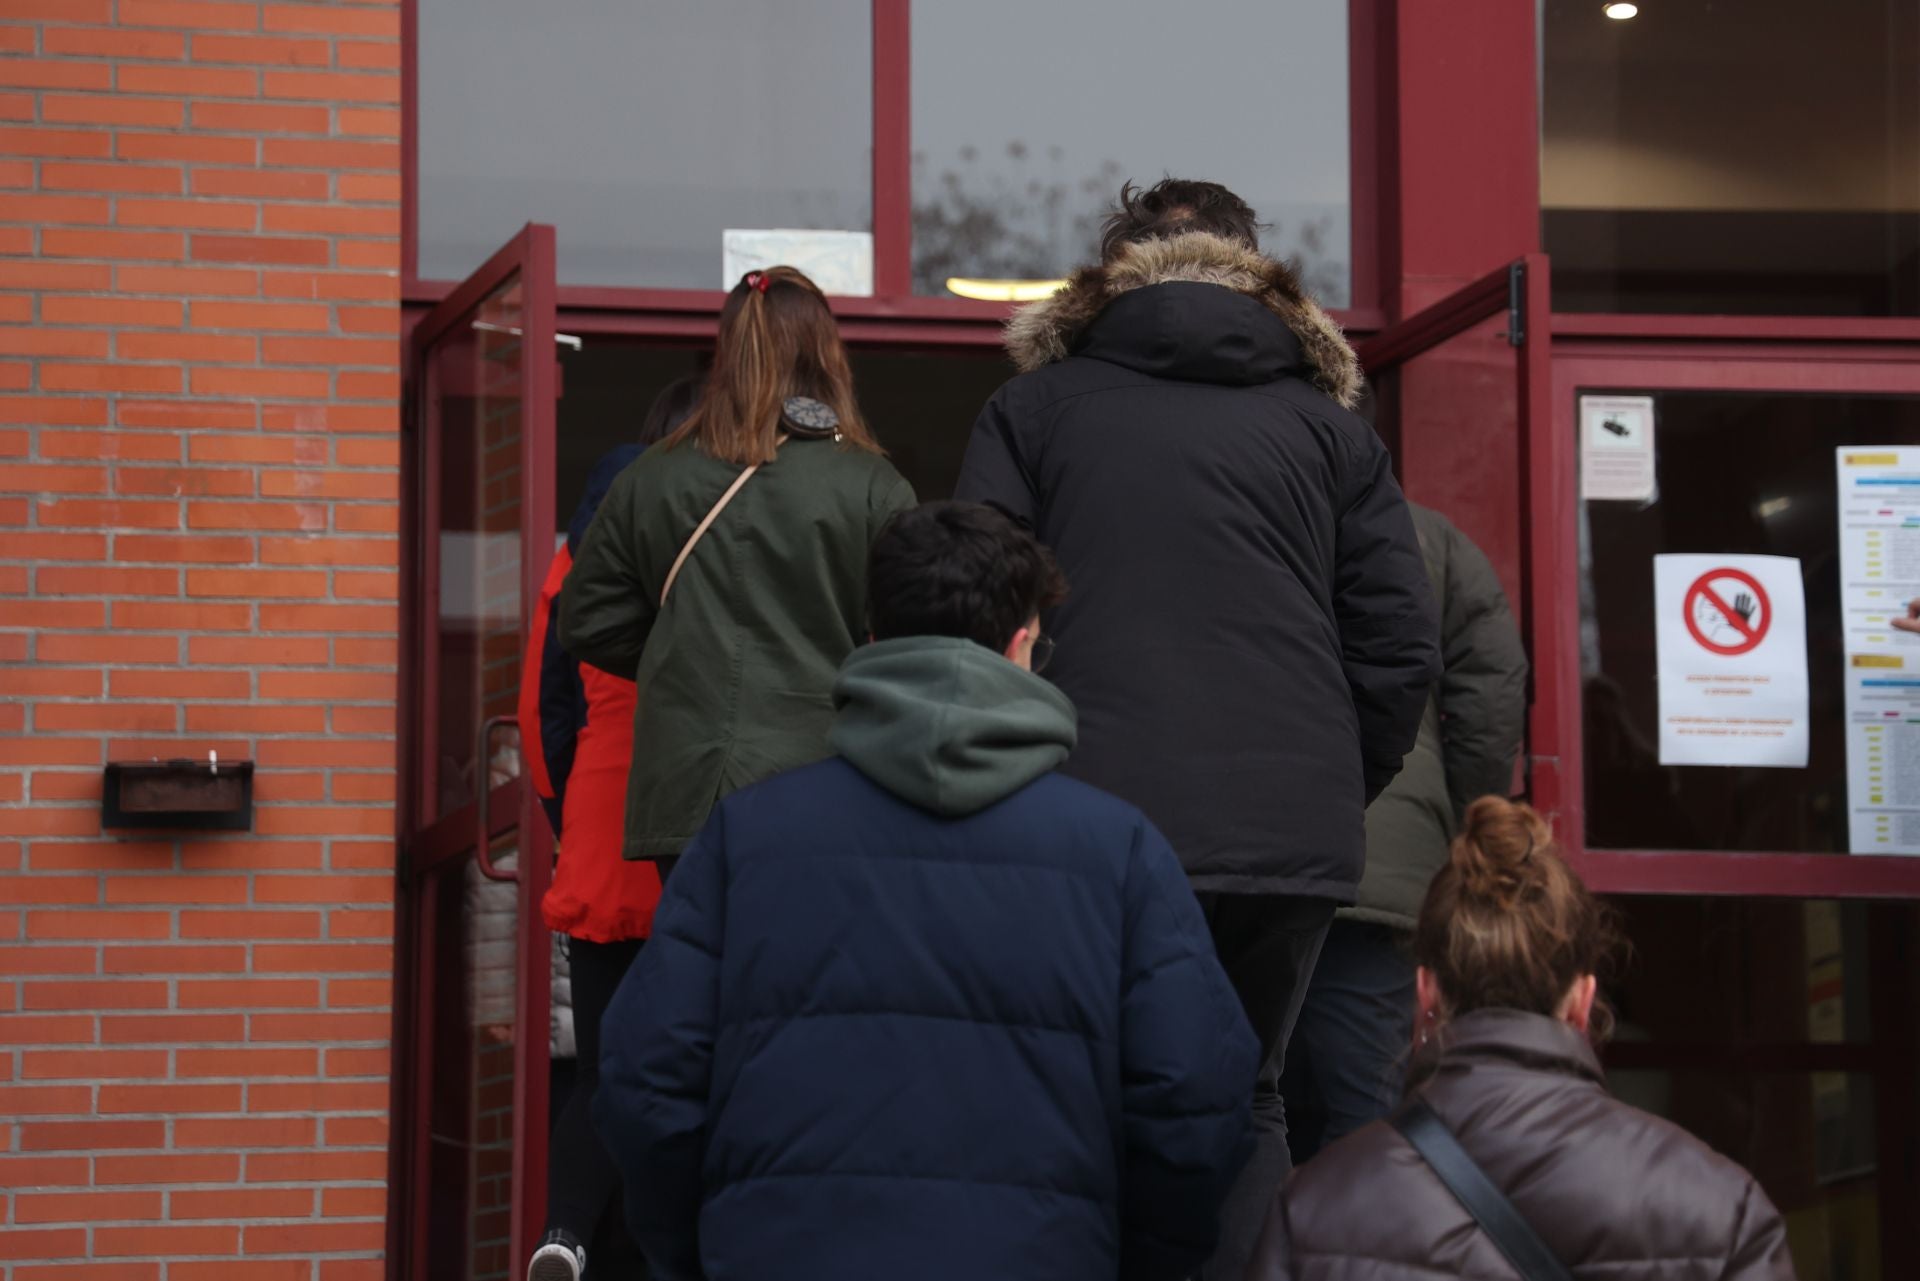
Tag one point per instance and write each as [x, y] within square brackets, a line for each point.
[1047, 331]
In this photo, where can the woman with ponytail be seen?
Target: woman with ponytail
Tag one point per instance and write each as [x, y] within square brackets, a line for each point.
[725, 575]
[1504, 1078]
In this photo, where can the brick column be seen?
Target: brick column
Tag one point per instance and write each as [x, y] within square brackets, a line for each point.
[199, 240]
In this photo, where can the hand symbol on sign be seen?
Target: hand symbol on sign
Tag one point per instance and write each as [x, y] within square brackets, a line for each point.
[1743, 606]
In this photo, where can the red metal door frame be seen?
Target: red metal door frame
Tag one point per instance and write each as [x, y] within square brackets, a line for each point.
[426, 845]
[1598, 366]
[1521, 290]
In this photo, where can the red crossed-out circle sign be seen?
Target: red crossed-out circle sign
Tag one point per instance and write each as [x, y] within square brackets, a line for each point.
[1751, 634]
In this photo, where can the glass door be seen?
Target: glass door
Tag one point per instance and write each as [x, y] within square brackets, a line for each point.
[1761, 453]
[1460, 391]
[472, 1004]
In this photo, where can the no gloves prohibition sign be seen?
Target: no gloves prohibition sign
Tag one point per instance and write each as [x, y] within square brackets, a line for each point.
[1728, 612]
[1730, 633]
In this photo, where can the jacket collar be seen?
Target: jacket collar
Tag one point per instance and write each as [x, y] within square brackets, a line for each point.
[1047, 331]
[1510, 1036]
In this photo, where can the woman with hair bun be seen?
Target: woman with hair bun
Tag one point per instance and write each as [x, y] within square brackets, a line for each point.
[1509, 945]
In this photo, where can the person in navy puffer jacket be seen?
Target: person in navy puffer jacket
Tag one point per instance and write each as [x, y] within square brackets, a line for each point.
[928, 1009]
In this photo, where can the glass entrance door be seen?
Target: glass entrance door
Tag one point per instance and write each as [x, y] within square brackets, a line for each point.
[472, 1007]
[1460, 391]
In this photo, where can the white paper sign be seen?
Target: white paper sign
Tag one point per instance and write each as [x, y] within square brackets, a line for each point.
[1731, 636]
[840, 262]
[1616, 448]
[1879, 506]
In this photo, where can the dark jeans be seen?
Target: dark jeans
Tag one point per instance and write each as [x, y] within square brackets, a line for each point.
[583, 1186]
[1268, 944]
[1349, 1060]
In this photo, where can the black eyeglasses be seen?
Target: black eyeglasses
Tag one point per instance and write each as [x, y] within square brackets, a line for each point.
[1042, 652]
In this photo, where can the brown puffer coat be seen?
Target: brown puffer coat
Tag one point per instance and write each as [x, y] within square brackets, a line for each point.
[1617, 1194]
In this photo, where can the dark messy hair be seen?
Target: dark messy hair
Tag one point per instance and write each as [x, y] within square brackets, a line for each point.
[1175, 207]
[958, 569]
[670, 408]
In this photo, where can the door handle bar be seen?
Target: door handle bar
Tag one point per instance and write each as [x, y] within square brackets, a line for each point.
[483, 847]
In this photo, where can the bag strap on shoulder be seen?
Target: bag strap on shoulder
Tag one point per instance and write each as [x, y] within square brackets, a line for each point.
[1490, 1208]
[706, 523]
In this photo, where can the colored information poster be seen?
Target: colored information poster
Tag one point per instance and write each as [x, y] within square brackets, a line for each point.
[1879, 504]
[1731, 636]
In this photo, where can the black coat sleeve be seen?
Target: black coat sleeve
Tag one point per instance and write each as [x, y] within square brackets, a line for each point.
[656, 1060]
[1383, 606]
[1483, 687]
[608, 605]
[993, 471]
[563, 714]
[1188, 1060]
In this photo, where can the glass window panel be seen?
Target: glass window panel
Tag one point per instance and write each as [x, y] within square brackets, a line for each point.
[1027, 117]
[640, 131]
[1737, 472]
[1759, 1025]
[476, 396]
[1759, 157]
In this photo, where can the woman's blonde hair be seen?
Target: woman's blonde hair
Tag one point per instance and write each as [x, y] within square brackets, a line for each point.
[1506, 924]
[777, 339]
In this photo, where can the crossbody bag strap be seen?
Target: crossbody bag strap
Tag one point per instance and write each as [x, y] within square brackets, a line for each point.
[713, 514]
[1490, 1208]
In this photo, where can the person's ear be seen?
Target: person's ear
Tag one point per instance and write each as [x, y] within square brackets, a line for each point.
[1576, 1007]
[1430, 1005]
[1019, 650]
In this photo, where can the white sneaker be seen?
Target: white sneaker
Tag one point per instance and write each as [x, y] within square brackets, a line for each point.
[559, 1258]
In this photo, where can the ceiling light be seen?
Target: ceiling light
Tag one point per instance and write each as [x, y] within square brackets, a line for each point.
[1003, 290]
[1620, 12]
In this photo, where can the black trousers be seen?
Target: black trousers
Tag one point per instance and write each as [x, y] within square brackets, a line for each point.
[583, 1186]
[1348, 1058]
[1268, 944]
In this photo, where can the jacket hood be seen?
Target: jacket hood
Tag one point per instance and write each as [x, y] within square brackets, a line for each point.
[946, 724]
[1306, 338]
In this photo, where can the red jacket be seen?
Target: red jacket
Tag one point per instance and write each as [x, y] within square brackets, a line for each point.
[576, 725]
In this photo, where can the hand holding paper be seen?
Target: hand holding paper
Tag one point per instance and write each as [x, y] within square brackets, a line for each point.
[1911, 623]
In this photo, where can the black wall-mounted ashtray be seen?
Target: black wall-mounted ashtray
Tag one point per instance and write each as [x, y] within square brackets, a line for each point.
[206, 796]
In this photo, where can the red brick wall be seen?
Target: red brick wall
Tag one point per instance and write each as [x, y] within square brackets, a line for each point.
[199, 221]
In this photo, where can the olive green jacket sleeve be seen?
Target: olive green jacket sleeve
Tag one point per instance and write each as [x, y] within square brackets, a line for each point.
[1483, 691]
[1468, 739]
[612, 594]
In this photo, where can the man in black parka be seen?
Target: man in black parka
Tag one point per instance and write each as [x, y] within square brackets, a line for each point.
[1251, 638]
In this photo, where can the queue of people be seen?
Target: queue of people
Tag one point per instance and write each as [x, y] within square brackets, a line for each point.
[952, 968]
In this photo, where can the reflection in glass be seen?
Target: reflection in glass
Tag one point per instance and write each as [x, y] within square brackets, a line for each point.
[1027, 118]
[470, 1158]
[1760, 157]
[474, 383]
[642, 131]
[1737, 472]
[1756, 1025]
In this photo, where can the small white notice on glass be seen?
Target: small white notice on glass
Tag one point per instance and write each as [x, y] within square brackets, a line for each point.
[1616, 448]
[1879, 506]
[1731, 636]
[840, 262]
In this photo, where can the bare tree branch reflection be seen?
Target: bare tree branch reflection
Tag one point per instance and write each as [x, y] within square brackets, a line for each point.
[1010, 216]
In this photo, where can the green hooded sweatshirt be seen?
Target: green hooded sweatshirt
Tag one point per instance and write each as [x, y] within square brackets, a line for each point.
[947, 725]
